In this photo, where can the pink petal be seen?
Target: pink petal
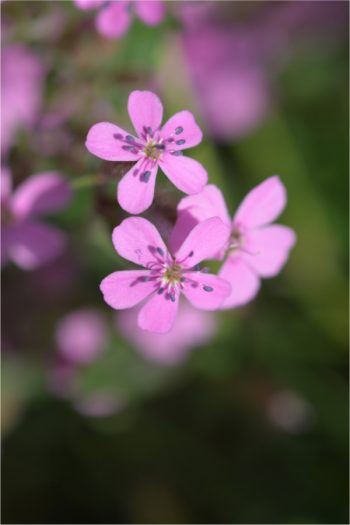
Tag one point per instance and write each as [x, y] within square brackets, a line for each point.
[244, 282]
[204, 240]
[150, 12]
[206, 291]
[33, 244]
[88, 4]
[41, 193]
[185, 173]
[113, 20]
[196, 208]
[145, 110]
[263, 204]
[158, 314]
[137, 240]
[269, 247]
[183, 128]
[106, 141]
[135, 193]
[125, 289]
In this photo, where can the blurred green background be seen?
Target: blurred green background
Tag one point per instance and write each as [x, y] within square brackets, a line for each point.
[251, 427]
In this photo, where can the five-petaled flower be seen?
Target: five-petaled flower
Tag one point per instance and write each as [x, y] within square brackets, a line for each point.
[155, 146]
[256, 248]
[25, 240]
[115, 16]
[166, 275]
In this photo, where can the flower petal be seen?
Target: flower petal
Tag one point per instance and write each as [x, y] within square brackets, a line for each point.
[136, 188]
[113, 20]
[204, 240]
[269, 248]
[263, 204]
[244, 282]
[150, 12]
[183, 129]
[33, 244]
[125, 289]
[146, 111]
[41, 193]
[185, 173]
[206, 291]
[158, 314]
[88, 4]
[107, 141]
[137, 240]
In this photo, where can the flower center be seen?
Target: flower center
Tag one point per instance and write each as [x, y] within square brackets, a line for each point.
[236, 241]
[153, 150]
[172, 274]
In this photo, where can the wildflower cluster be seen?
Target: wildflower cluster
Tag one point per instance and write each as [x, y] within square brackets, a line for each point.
[249, 247]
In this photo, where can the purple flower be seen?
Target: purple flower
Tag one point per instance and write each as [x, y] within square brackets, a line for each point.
[154, 146]
[114, 18]
[256, 248]
[25, 240]
[22, 76]
[80, 336]
[166, 276]
[191, 328]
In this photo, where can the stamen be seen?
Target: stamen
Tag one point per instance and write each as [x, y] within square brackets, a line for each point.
[172, 297]
[130, 148]
[160, 146]
[208, 288]
[179, 130]
[130, 138]
[118, 136]
[191, 253]
[149, 131]
[146, 176]
[197, 267]
[177, 153]
[180, 142]
[145, 279]
[205, 270]
[160, 251]
[160, 291]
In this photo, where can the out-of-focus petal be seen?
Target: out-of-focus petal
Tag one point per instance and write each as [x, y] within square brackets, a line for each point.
[88, 4]
[138, 241]
[125, 289]
[106, 141]
[187, 174]
[244, 282]
[33, 244]
[114, 19]
[6, 184]
[146, 111]
[136, 188]
[206, 291]
[150, 12]
[183, 128]
[269, 249]
[206, 239]
[159, 313]
[263, 204]
[41, 193]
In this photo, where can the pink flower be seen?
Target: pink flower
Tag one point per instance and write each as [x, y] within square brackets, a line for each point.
[25, 240]
[166, 276]
[22, 77]
[80, 336]
[154, 146]
[114, 18]
[191, 328]
[256, 248]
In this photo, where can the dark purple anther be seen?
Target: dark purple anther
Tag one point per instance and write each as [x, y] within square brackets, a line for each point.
[205, 270]
[179, 130]
[129, 138]
[118, 136]
[208, 288]
[149, 131]
[146, 176]
[197, 267]
[160, 146]
[145, 279]
[191, 253]
[160, 291]
[172, 297]
[160, 251]
[130, 148]
[177, 153]
[180, 142]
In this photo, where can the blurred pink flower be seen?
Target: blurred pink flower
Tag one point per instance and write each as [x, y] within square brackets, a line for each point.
[81, 336]
[255, 248]
[154, 146]
[114, 17]
[166, 276]
[25, 240]
[22, 79]
[99, 404]
[191, 328]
